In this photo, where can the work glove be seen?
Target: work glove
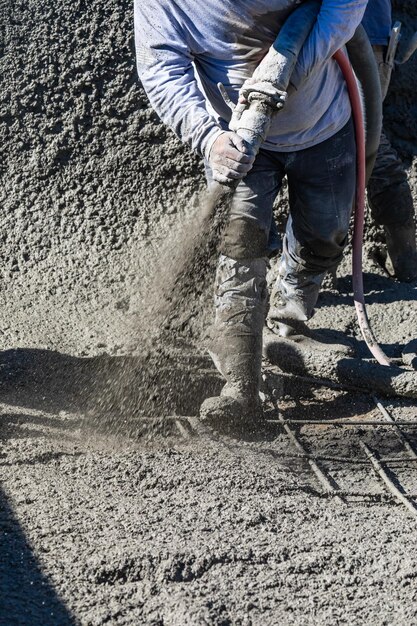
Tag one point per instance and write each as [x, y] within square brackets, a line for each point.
[230, 158]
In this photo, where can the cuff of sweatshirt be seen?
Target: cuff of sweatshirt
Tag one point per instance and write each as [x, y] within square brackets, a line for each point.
[209, 140]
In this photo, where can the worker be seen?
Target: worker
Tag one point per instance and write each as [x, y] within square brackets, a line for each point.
[184, 49]
[389, 194]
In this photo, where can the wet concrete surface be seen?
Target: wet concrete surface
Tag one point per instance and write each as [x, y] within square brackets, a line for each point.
[208, 530]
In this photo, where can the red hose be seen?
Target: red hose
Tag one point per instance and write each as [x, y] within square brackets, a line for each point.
[359, 216]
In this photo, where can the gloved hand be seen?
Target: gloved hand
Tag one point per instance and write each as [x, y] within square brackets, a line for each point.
[230, 158]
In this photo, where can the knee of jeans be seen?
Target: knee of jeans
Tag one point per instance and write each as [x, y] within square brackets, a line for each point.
[244, 239]
[325, 251]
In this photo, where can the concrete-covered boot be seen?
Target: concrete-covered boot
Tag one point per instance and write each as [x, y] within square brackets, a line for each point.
[292, 305]
[235, 343]
[238, 358]
[402, 251]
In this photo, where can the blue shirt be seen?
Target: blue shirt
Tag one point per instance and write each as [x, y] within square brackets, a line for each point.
[377, 21]
[186, 47]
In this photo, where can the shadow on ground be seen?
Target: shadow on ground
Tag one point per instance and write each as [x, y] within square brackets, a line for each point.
[377, 289]
[26, 594]
[105, 388]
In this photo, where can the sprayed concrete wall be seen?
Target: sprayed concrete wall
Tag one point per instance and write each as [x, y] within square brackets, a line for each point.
[88, 172]
[85, 162]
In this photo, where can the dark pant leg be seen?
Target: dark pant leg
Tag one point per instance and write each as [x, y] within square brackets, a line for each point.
[321, 183]
[240, 287]
[389, 194]
[240, 294]
[251, 233]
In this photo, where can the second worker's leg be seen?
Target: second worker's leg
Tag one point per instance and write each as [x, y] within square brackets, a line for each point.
[391, 203]
[390, 198]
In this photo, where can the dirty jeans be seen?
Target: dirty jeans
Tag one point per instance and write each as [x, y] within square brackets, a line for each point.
[389, 194]
[321, 185]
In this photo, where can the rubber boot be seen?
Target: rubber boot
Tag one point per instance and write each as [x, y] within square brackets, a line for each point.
[291, 308]
[238, 358]
[235, 343]
[290, 305]
[401, 248]
[287, 318]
